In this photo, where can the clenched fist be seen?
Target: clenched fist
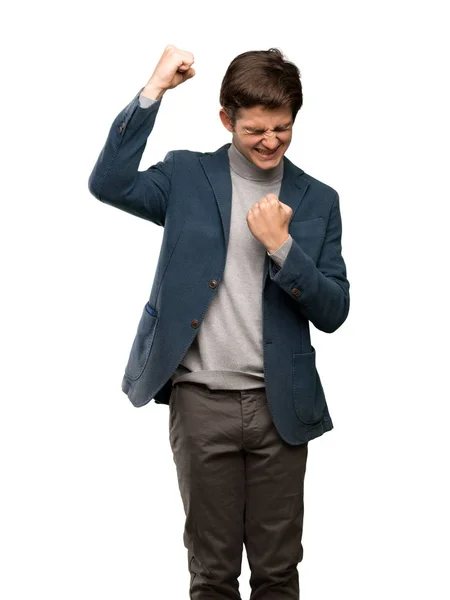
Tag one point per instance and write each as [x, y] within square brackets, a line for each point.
[174, 67]
[268, 221]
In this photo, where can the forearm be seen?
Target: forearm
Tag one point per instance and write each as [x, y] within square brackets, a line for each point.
[117, 165]
[320, 291]
[115, 179]
[321, 299]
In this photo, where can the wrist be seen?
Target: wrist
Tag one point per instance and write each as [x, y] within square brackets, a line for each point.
[276, 245]
[153, 91]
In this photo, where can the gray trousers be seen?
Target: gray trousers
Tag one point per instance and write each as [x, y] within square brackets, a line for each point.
[240, 483]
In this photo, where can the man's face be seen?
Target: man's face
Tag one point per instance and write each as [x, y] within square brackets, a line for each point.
[261, 134]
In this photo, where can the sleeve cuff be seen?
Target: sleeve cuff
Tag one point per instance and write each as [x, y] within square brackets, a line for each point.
[145, 102]
[279, 256]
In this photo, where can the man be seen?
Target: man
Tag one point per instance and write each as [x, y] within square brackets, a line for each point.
[251, 253]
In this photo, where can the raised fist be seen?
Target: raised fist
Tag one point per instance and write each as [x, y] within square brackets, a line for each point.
[174, 67]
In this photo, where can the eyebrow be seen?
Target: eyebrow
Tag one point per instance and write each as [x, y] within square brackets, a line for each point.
[258, 129]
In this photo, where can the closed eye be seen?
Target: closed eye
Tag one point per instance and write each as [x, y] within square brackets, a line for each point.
[261, 131]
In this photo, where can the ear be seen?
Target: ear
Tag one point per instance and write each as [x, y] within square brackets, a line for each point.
[225, 120]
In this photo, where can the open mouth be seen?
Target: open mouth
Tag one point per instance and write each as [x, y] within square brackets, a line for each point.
[265, 154]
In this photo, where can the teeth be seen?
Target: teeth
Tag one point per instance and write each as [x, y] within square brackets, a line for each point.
[266, 153]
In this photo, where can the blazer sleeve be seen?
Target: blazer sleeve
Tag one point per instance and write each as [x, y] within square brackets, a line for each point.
[115, 178]
[320, 292]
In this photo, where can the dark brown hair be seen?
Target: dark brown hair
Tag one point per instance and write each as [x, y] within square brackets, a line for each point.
[261, 77]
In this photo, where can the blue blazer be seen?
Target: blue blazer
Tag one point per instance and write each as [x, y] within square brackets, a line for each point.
[189, 194]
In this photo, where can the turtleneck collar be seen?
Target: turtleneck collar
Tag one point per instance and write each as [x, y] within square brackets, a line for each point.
[241, 165]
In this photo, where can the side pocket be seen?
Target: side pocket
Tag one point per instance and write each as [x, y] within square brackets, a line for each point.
[142, 344]
[308, 395]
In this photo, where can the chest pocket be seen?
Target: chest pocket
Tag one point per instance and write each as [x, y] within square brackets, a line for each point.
[309, 235]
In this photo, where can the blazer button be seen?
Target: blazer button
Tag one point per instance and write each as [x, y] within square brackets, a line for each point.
[194, 323]
[122, 127]
[296, 292]
[213, 283]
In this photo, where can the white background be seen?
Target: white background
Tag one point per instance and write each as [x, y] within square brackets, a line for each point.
[90, 506]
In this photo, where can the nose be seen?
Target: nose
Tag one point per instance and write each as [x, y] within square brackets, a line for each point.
[270, 141]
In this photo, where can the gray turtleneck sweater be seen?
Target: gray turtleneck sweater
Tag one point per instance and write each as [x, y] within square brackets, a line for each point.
[227, 352]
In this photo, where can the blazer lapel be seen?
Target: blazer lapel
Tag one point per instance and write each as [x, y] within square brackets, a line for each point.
[293, 188]
[217, 170]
